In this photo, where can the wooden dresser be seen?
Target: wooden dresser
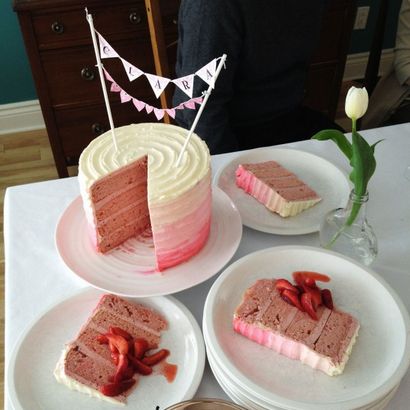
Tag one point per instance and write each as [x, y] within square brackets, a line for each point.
[58, 42]
[59, 46]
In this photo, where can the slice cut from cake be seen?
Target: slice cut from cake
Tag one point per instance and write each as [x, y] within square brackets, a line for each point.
[277, 188]
[87, 365]
[324, 342]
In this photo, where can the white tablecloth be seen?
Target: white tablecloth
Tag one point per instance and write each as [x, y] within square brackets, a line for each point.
[37, 278]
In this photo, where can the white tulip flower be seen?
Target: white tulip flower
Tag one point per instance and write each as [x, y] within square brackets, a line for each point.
[356, 102]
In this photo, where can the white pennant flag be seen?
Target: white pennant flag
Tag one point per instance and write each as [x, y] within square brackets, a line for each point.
[132, 72]
[207, 73]
[106, 51]
[186, 84]
[158, 84]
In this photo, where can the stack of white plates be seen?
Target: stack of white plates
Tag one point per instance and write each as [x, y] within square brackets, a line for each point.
[259, 378]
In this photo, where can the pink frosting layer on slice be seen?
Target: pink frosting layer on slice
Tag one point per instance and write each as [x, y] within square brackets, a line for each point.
[88, 361]
[264, 317]
[274, 186]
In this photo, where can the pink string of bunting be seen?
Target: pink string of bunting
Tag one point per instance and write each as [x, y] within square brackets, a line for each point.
[141, 105]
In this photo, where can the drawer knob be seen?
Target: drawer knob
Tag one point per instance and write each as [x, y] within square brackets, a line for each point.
[57, 28]
[98, 128]
[87, 74]
[135, 18]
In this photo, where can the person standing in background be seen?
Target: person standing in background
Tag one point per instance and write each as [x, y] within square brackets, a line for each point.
[257, 100]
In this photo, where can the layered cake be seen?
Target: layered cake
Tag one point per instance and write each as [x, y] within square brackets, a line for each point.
[281, 319]
[138, 186]
[277, 188]
[96, 363]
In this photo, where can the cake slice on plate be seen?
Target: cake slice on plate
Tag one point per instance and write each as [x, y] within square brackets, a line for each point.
[297, 321]
[110, 350]
[277, 188]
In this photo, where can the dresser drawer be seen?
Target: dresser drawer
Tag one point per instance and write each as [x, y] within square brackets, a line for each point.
[79, 126]
[169, 16]
[62, 28]
[73, 77]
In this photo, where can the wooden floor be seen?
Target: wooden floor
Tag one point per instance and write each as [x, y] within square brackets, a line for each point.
[26, 158]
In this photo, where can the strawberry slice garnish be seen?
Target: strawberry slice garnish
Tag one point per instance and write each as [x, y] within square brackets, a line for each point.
[102, 339]
[300, 276]
[316, 296]
[311, 283]
[117, 342]
[139, 366]
[122, 368]
[156, 357]
[114, 389]
[284, 284]
[292, 298]
[140, 347]
[121, 332]
[327, 298]
[307, 304]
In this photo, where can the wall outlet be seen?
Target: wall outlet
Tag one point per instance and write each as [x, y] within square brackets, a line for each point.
[362, 14]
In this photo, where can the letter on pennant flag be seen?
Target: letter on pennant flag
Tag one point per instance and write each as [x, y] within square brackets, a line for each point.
[132, 72]
[106, 51]
[186, 84]
[158, 83]
[207, 73]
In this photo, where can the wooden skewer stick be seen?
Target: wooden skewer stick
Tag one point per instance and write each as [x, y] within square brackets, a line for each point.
[201, 108]
[100, 71]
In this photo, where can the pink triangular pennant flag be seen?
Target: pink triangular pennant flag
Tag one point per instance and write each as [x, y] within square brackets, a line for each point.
[159, 113]
[170, 112]
[186, 84]
[180, 106]
[139, 105]
[107, 76]
[198, 100]
[132, 72]
[158, 83]
[189, 104]
[106, 51]
[148, 108]
[115, 88]
[124, 96]
[207, 73]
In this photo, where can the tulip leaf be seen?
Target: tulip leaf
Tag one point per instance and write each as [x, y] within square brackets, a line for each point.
[339, 138]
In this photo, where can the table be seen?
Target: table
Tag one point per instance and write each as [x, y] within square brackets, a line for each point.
[36, 277]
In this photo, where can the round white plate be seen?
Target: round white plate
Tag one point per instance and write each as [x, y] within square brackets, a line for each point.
[326, 179]
[129, 269]
[31, 384]
[380, 357]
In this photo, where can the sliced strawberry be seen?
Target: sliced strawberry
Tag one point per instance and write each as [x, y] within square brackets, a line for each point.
[122, 367]
[118, 342]
[102, 339]
[292, 298]
[309, 274]
[139, 366]
[316, 296]
[115, 356]
[327, 298]
[140, 347]
[114, 389]
[156, 357]
[311, 283]
[120, 332]
[306, 302]
[283, 284]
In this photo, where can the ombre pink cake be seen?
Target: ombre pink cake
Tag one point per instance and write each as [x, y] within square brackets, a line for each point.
[277, 188]
[324, 344]
[137, 186]
[86, 364]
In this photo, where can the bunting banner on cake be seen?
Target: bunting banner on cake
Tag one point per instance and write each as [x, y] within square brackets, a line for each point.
[158, 83]
[141, 105]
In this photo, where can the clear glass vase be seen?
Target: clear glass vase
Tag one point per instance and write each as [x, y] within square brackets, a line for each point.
[346, 230]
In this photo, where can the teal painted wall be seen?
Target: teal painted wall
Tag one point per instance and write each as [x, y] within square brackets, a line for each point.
[16, 82]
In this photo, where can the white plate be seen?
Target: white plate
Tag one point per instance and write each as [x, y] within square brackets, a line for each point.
[326, 179]
[31, 384]
[379, 359]
[129, 269]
